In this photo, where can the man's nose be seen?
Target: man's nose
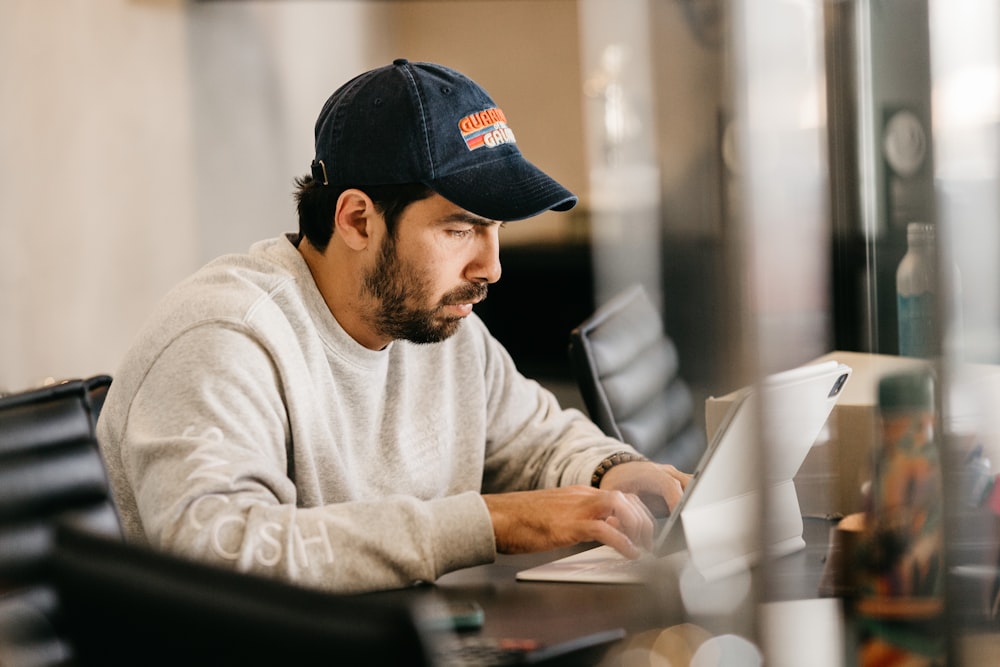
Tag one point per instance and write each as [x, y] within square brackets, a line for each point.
[486, 265]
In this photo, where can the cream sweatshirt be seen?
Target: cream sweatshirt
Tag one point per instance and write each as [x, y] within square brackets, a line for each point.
[247, 428]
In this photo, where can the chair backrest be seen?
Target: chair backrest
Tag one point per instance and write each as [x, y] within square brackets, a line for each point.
[124, 604]
[626, 368]
[51, 473]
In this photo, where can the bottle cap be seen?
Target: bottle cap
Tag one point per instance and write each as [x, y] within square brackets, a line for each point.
[914, 389]
[919, 231]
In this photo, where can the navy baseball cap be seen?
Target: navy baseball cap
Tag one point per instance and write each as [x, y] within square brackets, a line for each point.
[425, 123]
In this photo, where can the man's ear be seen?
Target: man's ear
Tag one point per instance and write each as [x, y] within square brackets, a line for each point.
[354, 217]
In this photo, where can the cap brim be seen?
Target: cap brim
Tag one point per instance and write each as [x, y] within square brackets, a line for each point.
[510, 188]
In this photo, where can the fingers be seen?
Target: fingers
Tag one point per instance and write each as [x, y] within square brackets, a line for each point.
[673, 484]
[638, 523]
[660, 485]
[682, 477]
[672, 490]
[616, 539]
[529, 521]
[629, 517]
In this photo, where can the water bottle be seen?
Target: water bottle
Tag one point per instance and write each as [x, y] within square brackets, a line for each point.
[899, 602]
[916, 287]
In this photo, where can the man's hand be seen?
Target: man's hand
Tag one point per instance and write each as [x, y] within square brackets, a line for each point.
[528, 521]
[659, 485]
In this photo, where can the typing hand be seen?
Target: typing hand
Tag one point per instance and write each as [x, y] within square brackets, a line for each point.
[528, 521]
[659, 485]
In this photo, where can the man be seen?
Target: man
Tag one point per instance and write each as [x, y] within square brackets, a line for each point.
[328, 410]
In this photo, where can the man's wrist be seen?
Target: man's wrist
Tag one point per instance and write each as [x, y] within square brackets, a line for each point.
[610, 462]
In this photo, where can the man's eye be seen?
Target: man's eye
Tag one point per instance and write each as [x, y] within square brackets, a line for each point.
[460, 233]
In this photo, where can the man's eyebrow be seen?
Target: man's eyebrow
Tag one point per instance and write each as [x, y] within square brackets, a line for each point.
[469, 218]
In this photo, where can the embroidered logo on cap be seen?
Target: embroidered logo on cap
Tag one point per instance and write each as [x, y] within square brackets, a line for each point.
[486, 128]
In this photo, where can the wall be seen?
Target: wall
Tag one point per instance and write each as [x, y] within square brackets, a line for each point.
[259, 73]
[97, 214]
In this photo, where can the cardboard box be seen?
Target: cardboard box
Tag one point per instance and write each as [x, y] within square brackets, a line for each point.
[830, 481]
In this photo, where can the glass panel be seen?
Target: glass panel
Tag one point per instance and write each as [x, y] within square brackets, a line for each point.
[780, 132]
[965, 49]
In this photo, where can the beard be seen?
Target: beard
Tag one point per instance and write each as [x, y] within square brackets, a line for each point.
[394, 285]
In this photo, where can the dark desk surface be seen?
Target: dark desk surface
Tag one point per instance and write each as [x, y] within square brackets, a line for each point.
[555, 612]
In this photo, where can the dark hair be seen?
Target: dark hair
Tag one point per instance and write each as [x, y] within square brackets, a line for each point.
[317, 204]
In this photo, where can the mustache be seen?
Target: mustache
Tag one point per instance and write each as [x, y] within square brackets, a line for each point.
[469, 293]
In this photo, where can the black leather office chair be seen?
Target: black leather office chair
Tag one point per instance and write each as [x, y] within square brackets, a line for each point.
[122, 604]
[51, 473]
[50, 470]
[626, 368]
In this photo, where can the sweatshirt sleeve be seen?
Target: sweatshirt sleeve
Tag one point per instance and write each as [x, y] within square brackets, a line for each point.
[205, 451]
[532, 441]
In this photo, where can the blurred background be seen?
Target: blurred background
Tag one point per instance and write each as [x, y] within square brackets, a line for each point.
[753, 163]
[142, 138]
